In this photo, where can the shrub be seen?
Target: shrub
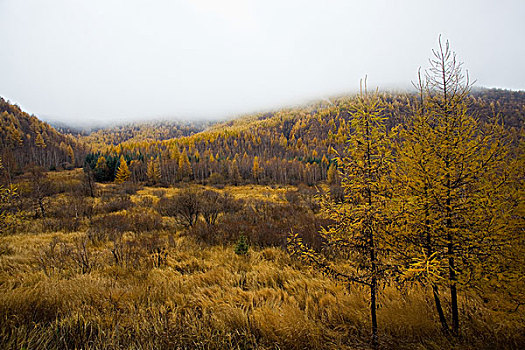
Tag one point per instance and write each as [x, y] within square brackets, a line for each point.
[107, 226]
[185, 207]
[242, 246]
[143, 219]
[109, 204]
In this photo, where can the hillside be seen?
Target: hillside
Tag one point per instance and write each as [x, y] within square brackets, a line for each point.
[288, 146]
[142, 131]
[26, 140]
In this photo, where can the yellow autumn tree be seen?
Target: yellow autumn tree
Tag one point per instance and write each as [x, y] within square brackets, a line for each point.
[256, 170]
[331, 175]
[7, 194]
[452, 173]
[153, 171]
[123, 172]
[185, 170]
[39, 141]
[357, 239]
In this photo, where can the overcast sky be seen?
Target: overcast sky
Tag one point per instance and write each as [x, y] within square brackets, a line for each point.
[100, 60]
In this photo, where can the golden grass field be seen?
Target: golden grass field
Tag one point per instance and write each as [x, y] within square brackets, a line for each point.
[59, 290]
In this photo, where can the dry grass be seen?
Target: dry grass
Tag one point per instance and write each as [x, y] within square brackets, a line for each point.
[208, 297]
[168, 291]
[252, 192]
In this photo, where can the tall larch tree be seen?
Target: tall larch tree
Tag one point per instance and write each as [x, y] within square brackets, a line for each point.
[185, 169]
[452, 171]
[256, 170]
[153, 171]
[123, 172]
[357, 239]
[7, 194]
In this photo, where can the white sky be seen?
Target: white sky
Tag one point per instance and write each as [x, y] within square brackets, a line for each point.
[108, 60]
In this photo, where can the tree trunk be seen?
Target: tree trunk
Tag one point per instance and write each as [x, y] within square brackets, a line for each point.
[439, 309]
[435, 290]
[373, 302]
[453, 288]
[451, 265]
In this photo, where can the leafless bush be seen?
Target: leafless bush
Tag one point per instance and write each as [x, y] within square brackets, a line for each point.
[133, 252]
[126, 253]
[263, 223]
[213, 203]
[68, 213]
[109, 204]
[57, 256]
[185, 207]
[62, 256]
[82, 256]
[104, 227]
[304, 197]
[142, 219]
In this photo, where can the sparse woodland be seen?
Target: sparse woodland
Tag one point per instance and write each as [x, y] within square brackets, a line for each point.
[377, 221]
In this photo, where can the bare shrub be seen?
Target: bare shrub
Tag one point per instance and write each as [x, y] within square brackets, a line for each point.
[213, 203]
[110, 204]
[142, 219]
[60, 256]
[68, 213]
[56, 256]
[263, 223]
[304, 197]
[82, 256]
[185, 207]
[106, 226]
[126, 252]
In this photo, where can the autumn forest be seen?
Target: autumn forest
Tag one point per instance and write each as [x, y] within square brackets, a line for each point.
[380, 220]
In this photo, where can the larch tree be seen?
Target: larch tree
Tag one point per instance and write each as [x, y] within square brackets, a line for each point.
[7, 194]
[331, 176]
[256, 170]
[153, 171]
[123, 172]
[185, 169]
[451, 172]
[357, 239]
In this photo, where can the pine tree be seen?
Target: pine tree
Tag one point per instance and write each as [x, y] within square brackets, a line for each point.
[123, 172]
[242, 246]
[102, 172]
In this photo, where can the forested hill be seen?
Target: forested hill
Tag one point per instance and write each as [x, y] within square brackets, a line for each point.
[26, 140]
[142, 131]
[508, 104]
[289, 146]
